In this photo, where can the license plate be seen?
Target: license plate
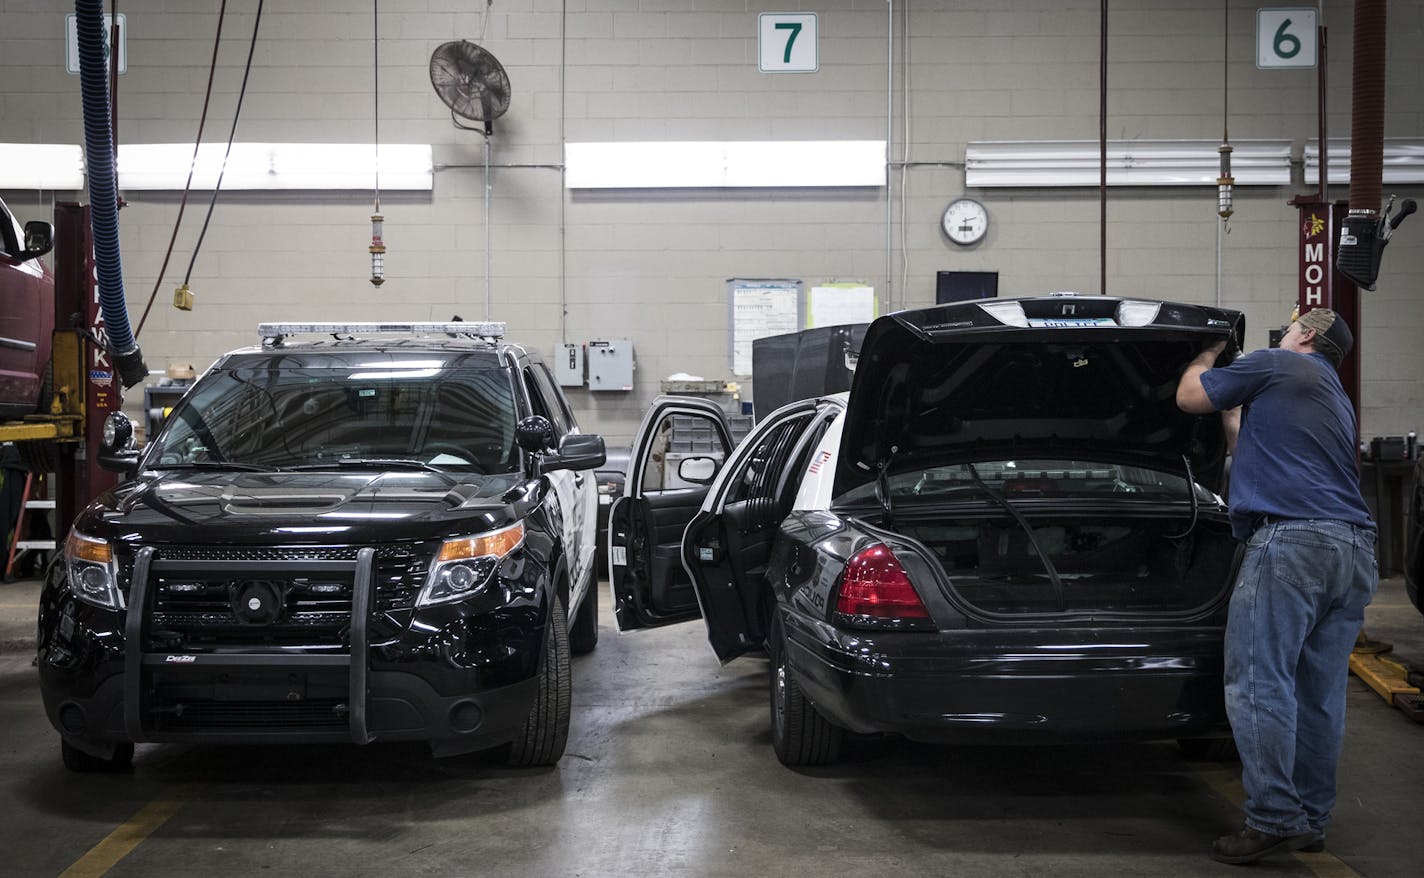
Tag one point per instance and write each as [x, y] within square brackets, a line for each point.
[1071, 321]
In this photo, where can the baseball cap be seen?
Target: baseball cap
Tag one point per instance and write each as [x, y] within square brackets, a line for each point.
[1333, 337]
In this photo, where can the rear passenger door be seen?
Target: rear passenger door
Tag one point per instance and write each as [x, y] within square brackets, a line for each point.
[728, 544]
[677, 452]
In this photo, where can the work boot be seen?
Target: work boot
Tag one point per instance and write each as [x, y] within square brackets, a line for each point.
[1250, 845]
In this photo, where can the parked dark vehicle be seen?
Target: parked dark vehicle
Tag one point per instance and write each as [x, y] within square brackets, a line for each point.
[1007, 532]
[26, 314]
[384, 536]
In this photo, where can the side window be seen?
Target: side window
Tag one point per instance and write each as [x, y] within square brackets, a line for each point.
[678, 438]
[555, 399]
[801, 458]
[540, 399]
[765, 465]
[12, 237]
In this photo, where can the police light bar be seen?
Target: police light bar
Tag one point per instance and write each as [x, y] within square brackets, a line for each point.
[275, 332]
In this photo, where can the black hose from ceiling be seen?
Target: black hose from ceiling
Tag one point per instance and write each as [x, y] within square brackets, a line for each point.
[103, 191]
[1367, 111]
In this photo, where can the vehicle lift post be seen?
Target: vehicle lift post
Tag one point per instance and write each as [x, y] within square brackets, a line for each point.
[85, 381]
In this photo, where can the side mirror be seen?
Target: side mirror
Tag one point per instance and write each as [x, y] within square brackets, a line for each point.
[39, 239]
[697, 470]
[535, 434]
[578, 451]
[116, 450]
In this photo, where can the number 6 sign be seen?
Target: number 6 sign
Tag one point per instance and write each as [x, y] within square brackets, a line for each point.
[1285, 38]
[787, 42]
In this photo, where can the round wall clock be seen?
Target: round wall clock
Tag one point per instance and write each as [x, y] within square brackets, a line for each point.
[965, 221]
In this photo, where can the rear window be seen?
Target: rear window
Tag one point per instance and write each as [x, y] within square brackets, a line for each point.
[462, 419]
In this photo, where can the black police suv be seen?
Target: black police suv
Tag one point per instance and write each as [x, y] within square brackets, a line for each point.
[357, 532]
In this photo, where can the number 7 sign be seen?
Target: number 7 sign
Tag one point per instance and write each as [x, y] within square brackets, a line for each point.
[786, 42]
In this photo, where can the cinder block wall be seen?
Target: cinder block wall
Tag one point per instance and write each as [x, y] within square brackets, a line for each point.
[651, 266]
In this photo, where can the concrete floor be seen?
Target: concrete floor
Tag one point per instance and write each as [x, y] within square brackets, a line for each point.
[669, 771]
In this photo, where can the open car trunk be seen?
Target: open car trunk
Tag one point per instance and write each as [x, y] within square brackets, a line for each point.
[1120, 564]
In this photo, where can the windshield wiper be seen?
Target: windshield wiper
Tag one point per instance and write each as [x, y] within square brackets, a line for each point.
[370, 463]
[219, 464]
[1028, 529]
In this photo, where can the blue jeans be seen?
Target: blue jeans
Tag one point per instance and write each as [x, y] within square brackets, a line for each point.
[1297, 608]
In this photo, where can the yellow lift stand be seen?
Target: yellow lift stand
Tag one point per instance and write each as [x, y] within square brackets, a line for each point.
[65, 421]
[1389, 678]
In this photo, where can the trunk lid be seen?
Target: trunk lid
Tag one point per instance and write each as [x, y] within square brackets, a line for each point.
[1089, 378]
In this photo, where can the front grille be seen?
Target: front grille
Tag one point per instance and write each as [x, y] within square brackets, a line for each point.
[250, 599]
[210, 716]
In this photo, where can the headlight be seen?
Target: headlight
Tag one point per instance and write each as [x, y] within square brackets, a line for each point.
[466, 565]
[93, 572]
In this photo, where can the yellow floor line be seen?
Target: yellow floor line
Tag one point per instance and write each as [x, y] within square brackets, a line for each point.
[121, 842]
[1323, 864]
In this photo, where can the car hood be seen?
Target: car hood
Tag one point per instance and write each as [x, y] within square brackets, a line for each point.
[184, 506]
[1089, 378]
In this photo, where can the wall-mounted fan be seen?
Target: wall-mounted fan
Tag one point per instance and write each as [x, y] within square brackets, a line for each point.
[471, 82]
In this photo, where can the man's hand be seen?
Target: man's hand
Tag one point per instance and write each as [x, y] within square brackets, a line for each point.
[1191, 396]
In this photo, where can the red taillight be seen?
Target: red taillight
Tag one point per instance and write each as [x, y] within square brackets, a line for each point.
[874, 584]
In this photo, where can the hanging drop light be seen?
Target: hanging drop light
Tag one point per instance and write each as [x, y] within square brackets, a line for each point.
[1224, 182]
[378, 251]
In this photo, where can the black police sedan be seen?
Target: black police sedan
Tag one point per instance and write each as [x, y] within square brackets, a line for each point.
[1006, 532]
[380, 536]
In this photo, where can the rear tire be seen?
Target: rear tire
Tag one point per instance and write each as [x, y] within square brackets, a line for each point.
[800, 735]
[583, 635]
[77, 760]
[545, 731]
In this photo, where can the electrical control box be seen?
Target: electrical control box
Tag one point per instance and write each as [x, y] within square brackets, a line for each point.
[568, 365]
[610, 364]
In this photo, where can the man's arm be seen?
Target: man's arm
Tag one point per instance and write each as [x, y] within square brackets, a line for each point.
[1191, 396]
[1231, 423]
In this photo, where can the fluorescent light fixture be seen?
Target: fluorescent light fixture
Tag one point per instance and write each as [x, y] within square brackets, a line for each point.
[724, 164]
[1403, 161]
[1130, 163]
[276, 166]
[41, 166]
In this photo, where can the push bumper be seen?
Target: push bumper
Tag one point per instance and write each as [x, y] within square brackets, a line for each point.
[100, 685]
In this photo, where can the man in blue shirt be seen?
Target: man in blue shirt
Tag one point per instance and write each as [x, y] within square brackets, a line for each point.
[1307, 574]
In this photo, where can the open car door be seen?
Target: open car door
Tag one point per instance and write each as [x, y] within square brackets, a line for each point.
[729, 543]
[676, 454]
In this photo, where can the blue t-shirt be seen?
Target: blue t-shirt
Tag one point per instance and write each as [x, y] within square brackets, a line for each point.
[1296, 454]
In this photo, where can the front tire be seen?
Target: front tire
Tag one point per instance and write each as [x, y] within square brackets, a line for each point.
[545, 731]
[800, 735]
[80, 761]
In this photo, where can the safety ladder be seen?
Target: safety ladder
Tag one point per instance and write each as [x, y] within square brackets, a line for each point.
[34, 499]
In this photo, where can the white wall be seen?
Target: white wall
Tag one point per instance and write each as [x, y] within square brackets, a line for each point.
[651, 267]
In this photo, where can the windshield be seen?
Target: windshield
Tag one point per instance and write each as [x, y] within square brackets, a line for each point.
[459, 419]
[1038, 477]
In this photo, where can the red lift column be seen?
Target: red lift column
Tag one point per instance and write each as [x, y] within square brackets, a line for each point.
[79, 478]
[1322, 286]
